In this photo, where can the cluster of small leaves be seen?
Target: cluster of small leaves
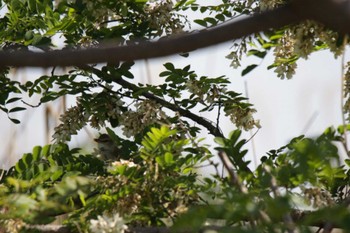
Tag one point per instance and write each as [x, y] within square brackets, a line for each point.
[112, 104]
[10, 94]
[158, 180]
[25, 24]
[208, 94]
[152, 187]
[288, 44]
[82, 22]
[220, 12]
[269, 199]
[47, 182]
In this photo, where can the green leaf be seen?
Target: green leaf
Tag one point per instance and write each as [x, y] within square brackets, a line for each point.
[169, 66]
[20, 166]
[165, 73]
[168, 158]
[201, 22]
[211, 20]
[28, 159]
[220, 17]
[112, 135]
[13, 100]
[160, 161]
[45, 150]
[17, 109]
[257, 53]
[220, 141]
[57, 174]
[36, 152]
[248, 69]
[14, 120]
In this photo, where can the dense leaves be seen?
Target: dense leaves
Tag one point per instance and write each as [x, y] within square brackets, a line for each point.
[156, 178]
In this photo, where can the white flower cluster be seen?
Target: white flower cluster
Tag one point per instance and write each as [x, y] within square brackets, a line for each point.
[242, 117]
[72, 120]
[285, 51]
[318, 197]
[75, 118]
[194, 87]
[161, 16]
[108, 224]
[235, 59]
[238, 49]
[99, 10]
[305, 35]
[300, 41]
[123, 162]
[112, 111]
[201, 91]
[147, 112]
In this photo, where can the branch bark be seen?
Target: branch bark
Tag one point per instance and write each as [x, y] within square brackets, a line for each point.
[335, 14]
[186, 42]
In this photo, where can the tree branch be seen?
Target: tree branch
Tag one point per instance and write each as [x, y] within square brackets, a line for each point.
[333, 13]
[233, 29]
[184, 112]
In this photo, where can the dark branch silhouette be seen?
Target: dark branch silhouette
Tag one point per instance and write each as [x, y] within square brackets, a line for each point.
[186, 42]
[335, 14]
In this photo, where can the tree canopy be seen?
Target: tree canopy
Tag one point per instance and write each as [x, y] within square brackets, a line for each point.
[155, 185]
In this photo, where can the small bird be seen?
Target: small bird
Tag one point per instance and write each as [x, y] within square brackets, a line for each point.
[107, 148]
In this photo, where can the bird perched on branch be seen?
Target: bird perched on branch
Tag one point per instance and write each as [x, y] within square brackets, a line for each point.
[107, 148]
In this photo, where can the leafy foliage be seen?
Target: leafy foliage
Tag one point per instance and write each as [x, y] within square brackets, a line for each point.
[155, 180]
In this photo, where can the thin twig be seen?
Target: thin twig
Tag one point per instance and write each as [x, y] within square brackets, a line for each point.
[30, 105]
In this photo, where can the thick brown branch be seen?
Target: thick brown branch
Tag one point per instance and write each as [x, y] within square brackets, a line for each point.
[333, 13]
[233, 29]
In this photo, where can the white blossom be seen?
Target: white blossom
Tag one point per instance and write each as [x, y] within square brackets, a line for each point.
[108, 224]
